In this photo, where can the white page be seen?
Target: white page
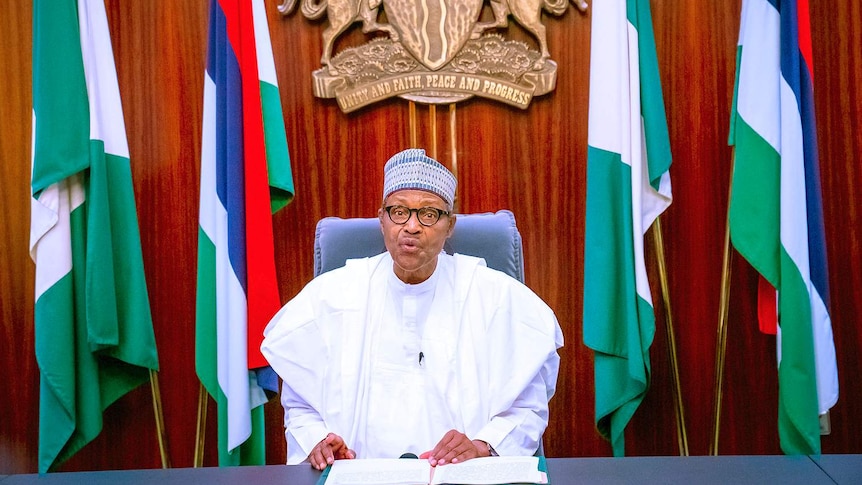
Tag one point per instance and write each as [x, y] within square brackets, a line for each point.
[382, 471]
[491, 470]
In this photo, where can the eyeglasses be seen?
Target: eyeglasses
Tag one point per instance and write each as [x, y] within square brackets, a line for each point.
[427, 216]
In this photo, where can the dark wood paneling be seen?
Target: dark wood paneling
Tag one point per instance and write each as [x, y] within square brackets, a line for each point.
[837, 39]
[18, 435]
[696, 44]
[532, 162]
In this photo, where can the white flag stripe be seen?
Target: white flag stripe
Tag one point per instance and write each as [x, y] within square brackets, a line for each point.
[232, 346]
[759, 72]
[51, 244]
[656, 202]
[606, 81]
[106, 111]
[209, 198]
[263, 45]
[50, 230]
[794, 212]
[824, 354]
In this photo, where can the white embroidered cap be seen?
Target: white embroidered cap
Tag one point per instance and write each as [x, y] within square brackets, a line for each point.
[412, 169]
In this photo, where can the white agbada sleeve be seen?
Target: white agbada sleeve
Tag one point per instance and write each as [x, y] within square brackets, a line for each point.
[518, 344]
[294, 329]
[303, 342]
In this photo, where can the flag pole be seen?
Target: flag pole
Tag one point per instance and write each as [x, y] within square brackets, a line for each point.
[453, 141]
[160, 419]
[202, 427]
[721, 338]
[682, 435]
[412, 118]
[432, 118]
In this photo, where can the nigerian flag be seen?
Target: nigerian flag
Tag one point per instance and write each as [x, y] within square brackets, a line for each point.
[93, 328]
[775, 214]
[245, 176]
[628, 187]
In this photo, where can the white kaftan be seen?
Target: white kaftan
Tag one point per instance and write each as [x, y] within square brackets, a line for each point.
[392, 367]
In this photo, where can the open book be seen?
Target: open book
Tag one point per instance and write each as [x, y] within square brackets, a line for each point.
[478, 471]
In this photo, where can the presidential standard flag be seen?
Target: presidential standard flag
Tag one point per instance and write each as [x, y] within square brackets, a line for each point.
[93, 328]
[775, 214]
[245, 176]
[628, 187]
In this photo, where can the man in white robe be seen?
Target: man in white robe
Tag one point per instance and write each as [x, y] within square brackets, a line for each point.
[413, 350]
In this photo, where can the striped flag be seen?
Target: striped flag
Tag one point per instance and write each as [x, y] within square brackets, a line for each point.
[775, 214]
[628, 187]
[245, 176]
[93, 328]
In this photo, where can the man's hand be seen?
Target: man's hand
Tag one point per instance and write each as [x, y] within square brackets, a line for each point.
[328, 450]
[455, 447]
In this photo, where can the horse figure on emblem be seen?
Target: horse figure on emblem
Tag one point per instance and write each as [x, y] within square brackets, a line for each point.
[341, 14]
[528, 13]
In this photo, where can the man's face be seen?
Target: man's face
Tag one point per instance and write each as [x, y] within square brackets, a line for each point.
[414, 247]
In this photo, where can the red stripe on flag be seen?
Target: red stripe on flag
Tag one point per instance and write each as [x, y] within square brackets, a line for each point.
[262, 284]
[803, 20]
[767, 312]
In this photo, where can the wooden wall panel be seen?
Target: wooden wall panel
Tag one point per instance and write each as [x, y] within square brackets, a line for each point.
[17, 359]
[696, 46]
[533, 162]
[837, 42]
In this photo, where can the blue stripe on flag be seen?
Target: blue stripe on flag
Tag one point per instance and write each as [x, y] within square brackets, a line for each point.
[816, 228]
[798, 76]
[790, 46]
[230, 168]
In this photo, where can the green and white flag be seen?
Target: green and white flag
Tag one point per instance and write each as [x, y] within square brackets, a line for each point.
[93, 328]
[628, 187]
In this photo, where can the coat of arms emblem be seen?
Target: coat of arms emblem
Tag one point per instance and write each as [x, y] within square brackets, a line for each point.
[435, 51]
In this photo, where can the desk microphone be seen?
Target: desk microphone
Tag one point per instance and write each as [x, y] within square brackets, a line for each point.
[409, 455]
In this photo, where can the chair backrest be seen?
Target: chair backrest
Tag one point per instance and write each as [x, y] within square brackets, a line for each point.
[491, 235]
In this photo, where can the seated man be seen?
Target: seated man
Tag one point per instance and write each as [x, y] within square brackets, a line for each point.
[414, 351]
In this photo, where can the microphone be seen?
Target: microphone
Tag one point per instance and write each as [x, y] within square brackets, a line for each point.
[409, 455]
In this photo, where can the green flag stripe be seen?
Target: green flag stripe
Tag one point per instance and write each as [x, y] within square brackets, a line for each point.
[205, 321]
[277, 157]
[755, 201]
[58, 87]
[797, 382]
[617, 321]
[731, 137]
[656, 136]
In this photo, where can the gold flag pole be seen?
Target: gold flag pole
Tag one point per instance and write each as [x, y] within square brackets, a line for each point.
[202, 427]
[160, 419]
[721, 337]
[412, 118]
[453, 142]
[682, 435]
[432, 118]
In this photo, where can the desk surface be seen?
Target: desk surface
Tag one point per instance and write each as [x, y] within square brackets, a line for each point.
[827, 469]
[841, 468]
